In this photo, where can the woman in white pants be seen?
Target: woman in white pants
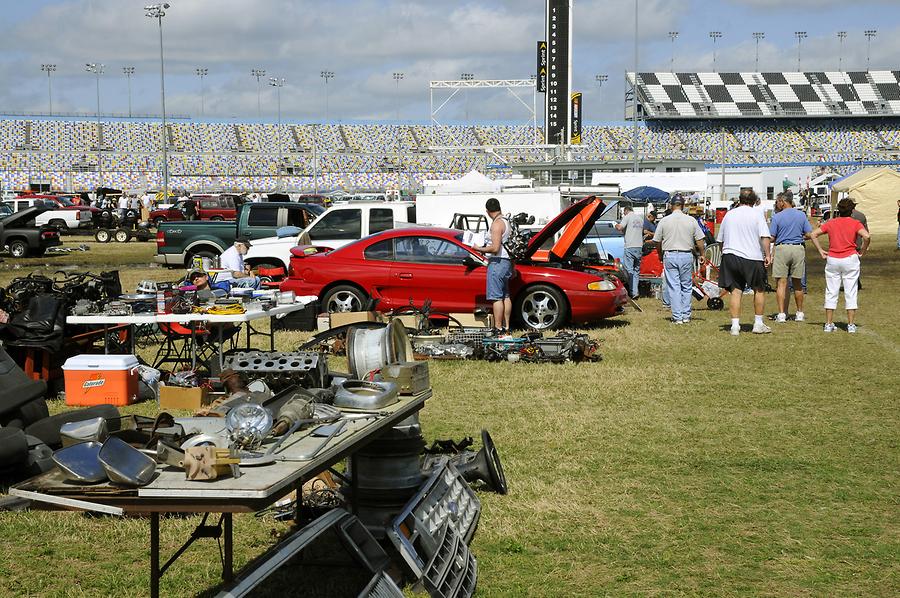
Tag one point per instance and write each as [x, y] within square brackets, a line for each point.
[841, 261]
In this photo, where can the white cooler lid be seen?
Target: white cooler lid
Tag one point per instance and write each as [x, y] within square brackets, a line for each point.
[101, 362]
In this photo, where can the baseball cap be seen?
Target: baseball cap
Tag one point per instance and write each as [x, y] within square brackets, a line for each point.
[195, 274]
[677, 201]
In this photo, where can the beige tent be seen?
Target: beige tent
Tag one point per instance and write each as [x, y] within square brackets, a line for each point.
[875, 191]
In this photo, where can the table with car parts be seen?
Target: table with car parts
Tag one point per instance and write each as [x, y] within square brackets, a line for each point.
[255, 489]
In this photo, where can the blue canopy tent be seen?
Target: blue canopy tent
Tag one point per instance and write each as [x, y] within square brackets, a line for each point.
[645, 195]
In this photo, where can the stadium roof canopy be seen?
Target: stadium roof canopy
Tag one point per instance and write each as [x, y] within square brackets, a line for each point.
[768, 95]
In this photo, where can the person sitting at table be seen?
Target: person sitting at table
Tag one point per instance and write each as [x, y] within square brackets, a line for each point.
[234, 270]
[206, 289]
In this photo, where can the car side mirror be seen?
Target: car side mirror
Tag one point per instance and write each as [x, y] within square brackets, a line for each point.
[470, 262]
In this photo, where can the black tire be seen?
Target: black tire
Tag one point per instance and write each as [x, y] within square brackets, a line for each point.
[102, 235]
[541, 307]
[18, 248]
[217, 219]
[715, 303]
[157, 220]
[344, 297]
[122, 236]
[39, 252]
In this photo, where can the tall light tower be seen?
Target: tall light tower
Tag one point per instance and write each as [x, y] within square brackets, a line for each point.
[800, 35]
[97, 69]
[326, 75]
[673, 35]
[259, 74]
[49, 68]
[842, 35]
[869, 33]
[278, 83]
[158, 11]
[467, 77]
[714, 35]
[398, 77]
[128, 71]
[758, 35]
[202, 72]
[600, 79]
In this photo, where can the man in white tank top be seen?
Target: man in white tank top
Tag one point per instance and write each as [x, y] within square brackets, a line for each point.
[500, 267]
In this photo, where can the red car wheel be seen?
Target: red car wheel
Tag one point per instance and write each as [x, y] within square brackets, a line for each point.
[541, 307]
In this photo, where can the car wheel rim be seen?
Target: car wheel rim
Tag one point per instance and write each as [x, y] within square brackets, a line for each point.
[540, 310]
[344, 301]
[17, 251]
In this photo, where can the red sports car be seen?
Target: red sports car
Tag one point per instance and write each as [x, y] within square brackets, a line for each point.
[407, 266]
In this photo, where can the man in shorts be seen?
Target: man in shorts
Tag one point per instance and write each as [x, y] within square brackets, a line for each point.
[500, 266]
[746, 253]
[789, 228]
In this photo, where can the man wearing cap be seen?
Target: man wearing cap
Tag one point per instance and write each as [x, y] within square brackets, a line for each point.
[232, 263]
[676, 236]
[746, 253]
[650, 225]
[789, 228]
[632, 226]
[205, 288]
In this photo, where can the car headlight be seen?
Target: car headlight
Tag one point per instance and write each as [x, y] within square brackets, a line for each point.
[601, 285]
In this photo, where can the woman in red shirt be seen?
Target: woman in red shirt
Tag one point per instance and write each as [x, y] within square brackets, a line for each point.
[841, 261]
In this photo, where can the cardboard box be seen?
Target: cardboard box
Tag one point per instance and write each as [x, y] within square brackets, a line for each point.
[473, 321]
[351, 317]
[178, 397]
[323, 322]
[408, 321]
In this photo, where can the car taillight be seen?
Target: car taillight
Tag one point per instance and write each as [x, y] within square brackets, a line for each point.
[49, 234]
[78, 215]
[160, 239]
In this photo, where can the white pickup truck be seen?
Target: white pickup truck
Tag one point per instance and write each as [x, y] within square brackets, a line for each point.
[335, 227]
[64, 218]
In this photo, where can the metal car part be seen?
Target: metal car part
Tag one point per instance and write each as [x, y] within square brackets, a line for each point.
[411, 377]
[359, 394]
[369, 350]
[248, 424]
[204, 440]
[354, 537]
[88, 430]
[452, 571]
[444, 498]
[281, 370]
[125, 464]
[381, 586]
[81, 463]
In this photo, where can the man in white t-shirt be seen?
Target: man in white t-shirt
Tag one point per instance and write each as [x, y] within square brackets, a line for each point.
[232, 263]
[746, 253]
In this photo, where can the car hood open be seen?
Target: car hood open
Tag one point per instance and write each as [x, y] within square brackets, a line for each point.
[577, 220]
[21, 217]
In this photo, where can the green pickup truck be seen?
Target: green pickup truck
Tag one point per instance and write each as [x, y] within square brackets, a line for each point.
[177, 243]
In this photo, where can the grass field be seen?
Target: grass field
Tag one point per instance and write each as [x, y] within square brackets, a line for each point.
[686, 462]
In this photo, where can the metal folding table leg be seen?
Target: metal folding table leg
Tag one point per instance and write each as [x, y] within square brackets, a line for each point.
[227, 569]
[154, 555]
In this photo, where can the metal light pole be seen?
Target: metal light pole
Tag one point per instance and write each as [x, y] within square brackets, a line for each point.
[129, 71]
[714, 35]
[278, 83]
[600, 79]
[202, 73]
[634, 114]
[258, 73]
[673, 35]
[97, 69]
[326, 75]
[467, 77]
[842, 35]
[869, 33]
[158, 11]
[800, 35]
[49, 68]
[758, 35]
[398, 77]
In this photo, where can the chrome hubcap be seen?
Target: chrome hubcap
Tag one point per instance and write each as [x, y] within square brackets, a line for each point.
[539, 310]
[344, 301]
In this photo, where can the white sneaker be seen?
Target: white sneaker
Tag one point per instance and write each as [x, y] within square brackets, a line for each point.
[735, 330]
[760, 328]
[799, 316]
[829, 328]
[851, 328]
[781, 318]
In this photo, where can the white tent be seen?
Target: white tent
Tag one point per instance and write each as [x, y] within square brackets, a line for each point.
[472, 182]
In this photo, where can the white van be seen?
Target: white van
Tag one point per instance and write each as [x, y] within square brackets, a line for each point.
[337, 226]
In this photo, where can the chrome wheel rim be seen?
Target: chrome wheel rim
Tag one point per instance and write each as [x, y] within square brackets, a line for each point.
[344, 301]
[540, 310]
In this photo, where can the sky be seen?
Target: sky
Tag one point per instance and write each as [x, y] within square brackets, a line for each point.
[364, 42]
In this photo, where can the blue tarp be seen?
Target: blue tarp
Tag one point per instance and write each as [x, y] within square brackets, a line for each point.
[646, 195]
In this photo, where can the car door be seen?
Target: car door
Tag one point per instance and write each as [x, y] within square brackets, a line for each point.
[337, 228]
[430, 267]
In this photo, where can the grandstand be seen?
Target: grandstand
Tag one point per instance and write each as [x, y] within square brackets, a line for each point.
[836, 119]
